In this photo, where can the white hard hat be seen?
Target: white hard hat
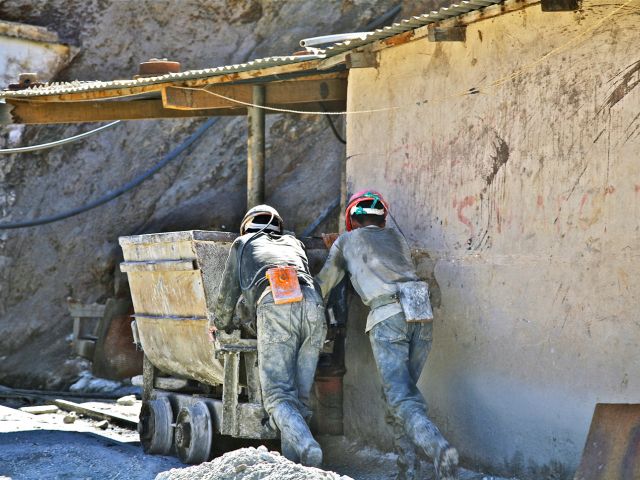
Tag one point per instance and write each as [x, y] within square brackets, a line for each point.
[261, 210]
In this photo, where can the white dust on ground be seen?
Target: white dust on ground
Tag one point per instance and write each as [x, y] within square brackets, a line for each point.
[249, 464]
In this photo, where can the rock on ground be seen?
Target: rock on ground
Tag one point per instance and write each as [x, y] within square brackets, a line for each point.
[249, 464]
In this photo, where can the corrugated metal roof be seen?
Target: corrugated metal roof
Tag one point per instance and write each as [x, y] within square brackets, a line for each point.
[87, 86]
[412, 23]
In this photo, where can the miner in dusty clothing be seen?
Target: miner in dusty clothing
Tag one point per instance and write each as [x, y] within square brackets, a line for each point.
[378, 261]
[290, 335]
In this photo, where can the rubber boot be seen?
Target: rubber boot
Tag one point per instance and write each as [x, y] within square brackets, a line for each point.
[446, 463]
[428, 438]
[297, 442]
[407, 462]
[408, 468]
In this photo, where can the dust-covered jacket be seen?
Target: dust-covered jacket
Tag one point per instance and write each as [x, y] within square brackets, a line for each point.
[252, 257]
[377, 259]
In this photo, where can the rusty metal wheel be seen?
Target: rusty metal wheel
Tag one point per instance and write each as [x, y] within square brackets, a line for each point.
[193, 433]
[154, 427]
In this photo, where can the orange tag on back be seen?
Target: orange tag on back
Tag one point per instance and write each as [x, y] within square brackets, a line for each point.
[284, 283]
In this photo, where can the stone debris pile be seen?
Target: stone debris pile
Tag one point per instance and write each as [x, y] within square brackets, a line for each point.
[249, 464]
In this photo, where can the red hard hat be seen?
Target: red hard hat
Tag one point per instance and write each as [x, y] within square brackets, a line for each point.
[363, 196]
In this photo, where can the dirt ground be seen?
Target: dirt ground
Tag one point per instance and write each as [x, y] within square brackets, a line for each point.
[44, 447]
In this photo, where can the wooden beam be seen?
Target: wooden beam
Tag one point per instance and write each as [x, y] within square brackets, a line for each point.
[359, 58]
[92, 412]
[27, 112]
[277, 93]
[180, 98]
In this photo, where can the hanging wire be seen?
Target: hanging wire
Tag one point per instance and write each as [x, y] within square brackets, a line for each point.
[57, 143]
[333, 126]
[119, 191]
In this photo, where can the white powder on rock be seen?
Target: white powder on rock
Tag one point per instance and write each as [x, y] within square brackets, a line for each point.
[249, 464]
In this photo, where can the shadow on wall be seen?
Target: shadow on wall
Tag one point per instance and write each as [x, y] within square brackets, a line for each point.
[364, 407]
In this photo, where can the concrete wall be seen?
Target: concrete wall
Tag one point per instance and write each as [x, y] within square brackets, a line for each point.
[27, 48]
[526, 198]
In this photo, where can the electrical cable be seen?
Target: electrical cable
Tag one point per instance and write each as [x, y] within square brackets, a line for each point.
[64, 141]
[286, 110]
[333, 126]
[325, 213]
[119, 191]
[396, 224]
[382, 20]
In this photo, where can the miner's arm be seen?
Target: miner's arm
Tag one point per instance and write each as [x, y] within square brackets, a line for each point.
[333, 270]
[228, 292]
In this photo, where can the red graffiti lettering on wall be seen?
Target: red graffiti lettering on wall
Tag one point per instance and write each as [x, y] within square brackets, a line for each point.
[466, 202]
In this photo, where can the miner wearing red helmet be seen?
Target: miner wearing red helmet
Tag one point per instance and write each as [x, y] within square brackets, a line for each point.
[378, 261]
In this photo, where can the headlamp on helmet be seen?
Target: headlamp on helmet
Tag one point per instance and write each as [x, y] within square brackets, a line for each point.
[378, 206]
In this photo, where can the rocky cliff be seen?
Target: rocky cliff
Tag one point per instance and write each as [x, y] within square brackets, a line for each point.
[204, 188]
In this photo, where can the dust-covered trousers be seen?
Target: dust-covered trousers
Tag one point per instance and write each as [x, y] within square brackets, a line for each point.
[290, 337]
[400, 350]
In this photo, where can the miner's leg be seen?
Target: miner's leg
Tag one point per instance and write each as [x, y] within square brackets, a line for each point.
[407, 461]
[392, 342]
[314, 331]
[278, 337]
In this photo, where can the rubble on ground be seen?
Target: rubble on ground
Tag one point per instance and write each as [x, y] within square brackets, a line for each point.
[249, 464]
[88, 383]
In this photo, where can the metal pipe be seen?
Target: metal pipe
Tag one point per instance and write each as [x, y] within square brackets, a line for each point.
[255, 148]
[340, 37]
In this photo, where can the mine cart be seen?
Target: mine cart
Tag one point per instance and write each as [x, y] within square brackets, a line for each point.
[195, 392]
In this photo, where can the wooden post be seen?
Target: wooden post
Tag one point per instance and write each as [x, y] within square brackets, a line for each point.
[344, 198]
[255, 149]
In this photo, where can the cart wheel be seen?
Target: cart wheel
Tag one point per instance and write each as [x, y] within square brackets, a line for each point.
[193, 433]
[156, 433]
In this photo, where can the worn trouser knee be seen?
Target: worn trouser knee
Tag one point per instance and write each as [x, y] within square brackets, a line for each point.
[400, 351]
[290, 337]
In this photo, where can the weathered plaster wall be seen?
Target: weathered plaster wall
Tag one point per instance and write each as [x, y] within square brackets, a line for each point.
[526, 197]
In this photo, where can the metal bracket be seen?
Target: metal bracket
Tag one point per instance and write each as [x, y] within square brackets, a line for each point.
[449, 34]
[560, 5]
[362, 59]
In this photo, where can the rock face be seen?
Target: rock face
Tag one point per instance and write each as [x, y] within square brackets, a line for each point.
[205, 188]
